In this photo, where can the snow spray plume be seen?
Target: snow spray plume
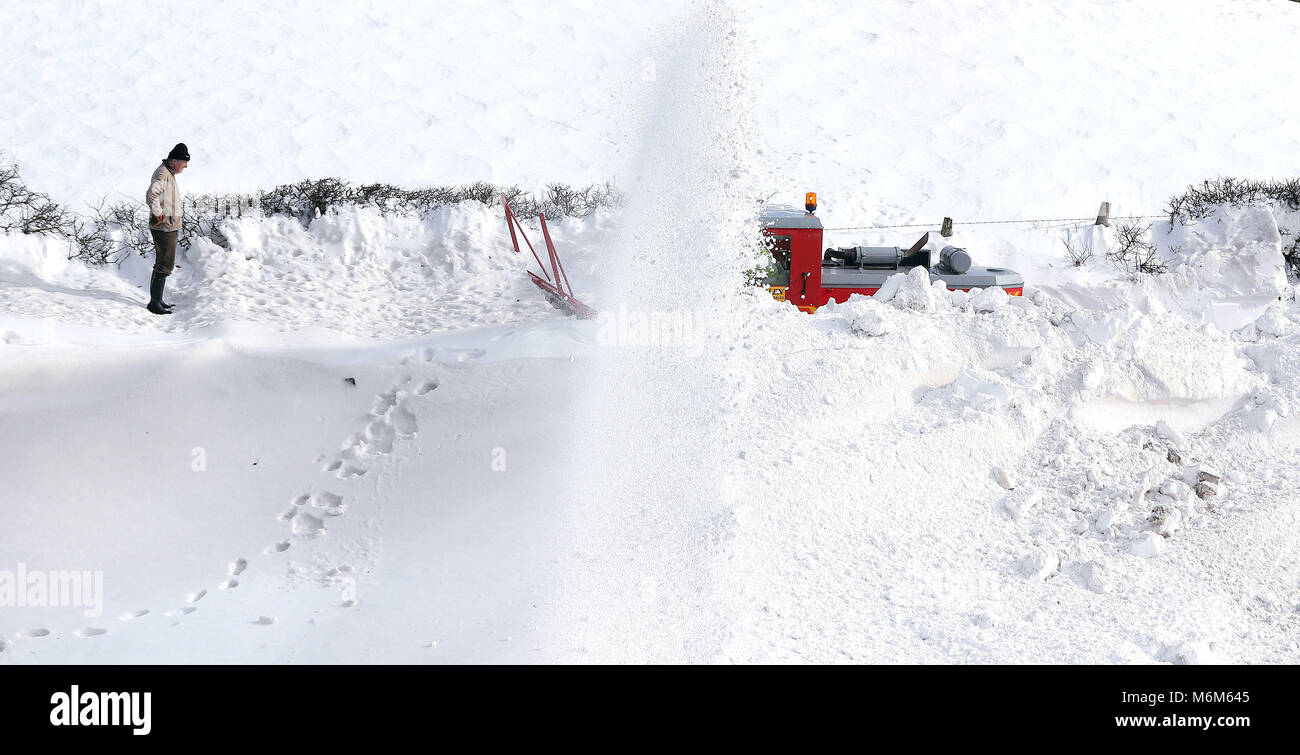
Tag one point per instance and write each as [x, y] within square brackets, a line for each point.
[654, 466]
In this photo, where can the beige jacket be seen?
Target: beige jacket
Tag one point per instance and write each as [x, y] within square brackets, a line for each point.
[164, 198]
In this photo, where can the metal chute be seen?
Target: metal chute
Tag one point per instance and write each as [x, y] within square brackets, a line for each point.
[556, 286]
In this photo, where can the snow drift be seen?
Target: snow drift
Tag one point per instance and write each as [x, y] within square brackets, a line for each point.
[355, 271]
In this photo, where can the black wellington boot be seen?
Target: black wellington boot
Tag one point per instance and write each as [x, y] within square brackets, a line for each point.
[155, 295]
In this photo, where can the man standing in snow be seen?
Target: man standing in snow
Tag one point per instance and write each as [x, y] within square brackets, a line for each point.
[164, 200]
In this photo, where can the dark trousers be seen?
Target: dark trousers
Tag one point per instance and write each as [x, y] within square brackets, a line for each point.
[164, 244]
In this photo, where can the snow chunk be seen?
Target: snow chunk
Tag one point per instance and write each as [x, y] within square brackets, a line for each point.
[1195, 473]
[978, 389]
[1166, 518]
[1105, 519]
[1017, 506]
[889, 289]
[913, 290]
[1096, 577]
[1177, 490]
[1167, 431]
[1264, 409]
[989, 299]
[1039, 565]
[1272, 323]
[1147, 545]
[866, 316]
[942, 296]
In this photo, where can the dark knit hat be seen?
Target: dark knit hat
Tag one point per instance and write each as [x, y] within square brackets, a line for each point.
[179, 152]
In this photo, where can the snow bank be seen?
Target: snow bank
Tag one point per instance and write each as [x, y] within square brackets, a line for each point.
[1058, 447]
[356, 268]
[36, 258]
[354, 271]
[1222, 271]
[1226, 262]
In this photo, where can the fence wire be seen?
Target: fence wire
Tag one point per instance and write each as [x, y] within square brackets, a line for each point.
[990, 222]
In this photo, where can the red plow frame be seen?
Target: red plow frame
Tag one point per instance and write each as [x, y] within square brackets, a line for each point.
[556, 286]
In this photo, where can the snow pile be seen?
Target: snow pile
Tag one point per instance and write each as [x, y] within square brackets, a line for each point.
[1224, 271]
[354, 271]
[43, 291]
[39, 259]
[1140, 358]
[1024, 439]
[1231, 258]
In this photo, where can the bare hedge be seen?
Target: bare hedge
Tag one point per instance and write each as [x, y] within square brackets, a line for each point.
[113, 230]
[27, 211]
[1197, 202]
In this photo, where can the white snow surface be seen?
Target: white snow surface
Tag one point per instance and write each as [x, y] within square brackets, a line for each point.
[370, 440]
[411, 93]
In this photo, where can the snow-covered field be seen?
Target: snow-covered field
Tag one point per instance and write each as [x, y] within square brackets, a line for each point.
[371, 440]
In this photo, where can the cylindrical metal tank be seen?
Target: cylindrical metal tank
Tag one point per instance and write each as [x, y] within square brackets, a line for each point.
[954, 259]
[873, 256]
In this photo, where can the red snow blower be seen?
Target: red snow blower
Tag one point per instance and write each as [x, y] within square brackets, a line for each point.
[556, 286]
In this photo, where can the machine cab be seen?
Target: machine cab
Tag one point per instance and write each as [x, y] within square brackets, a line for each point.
[794, 238]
